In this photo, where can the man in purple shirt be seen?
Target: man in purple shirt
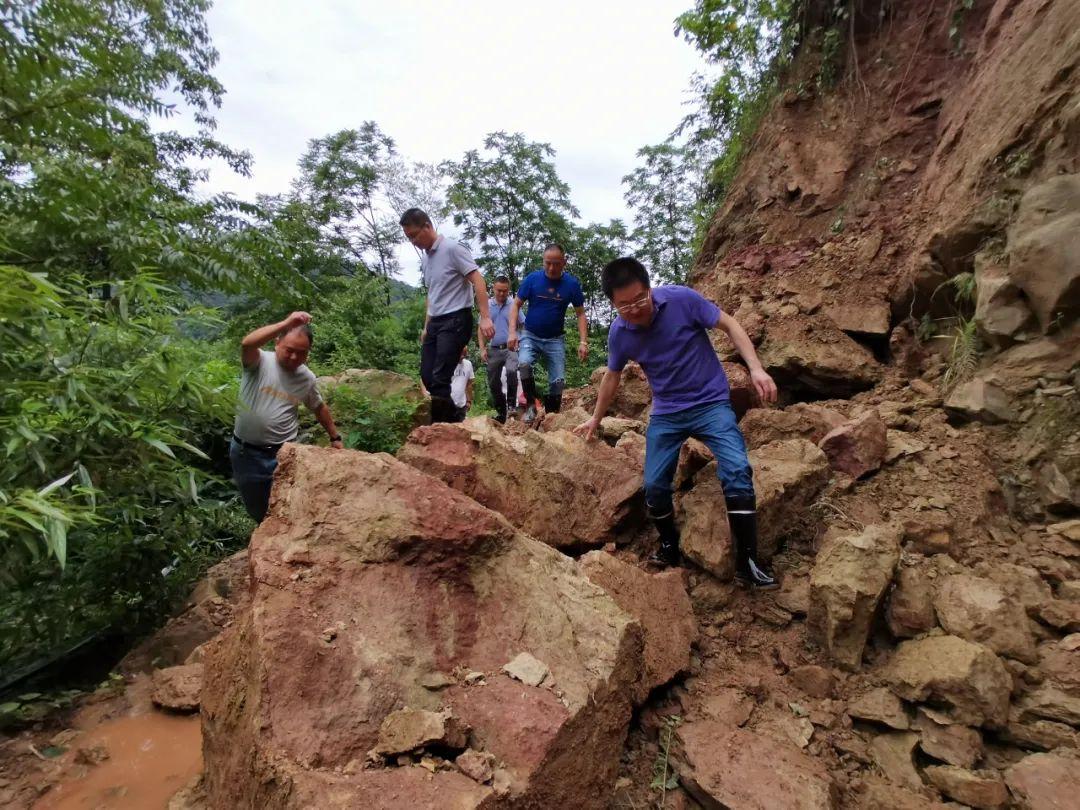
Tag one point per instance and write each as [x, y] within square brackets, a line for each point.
[665, 330]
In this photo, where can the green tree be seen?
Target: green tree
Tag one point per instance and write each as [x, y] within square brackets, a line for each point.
[107, 407]
[663, 192]
[346, 178]
[510, 201]
[590, 248]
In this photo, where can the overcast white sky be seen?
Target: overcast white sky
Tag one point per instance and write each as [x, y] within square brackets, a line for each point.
[596, 80]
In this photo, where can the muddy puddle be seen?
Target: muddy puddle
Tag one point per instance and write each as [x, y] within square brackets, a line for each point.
[150, 756]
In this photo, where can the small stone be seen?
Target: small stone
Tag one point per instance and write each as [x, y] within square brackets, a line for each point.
[177, 688]
[880, 706]
[477, 765]
[982, 789]
[815, 681]
[893, 754]
[410, 729]
[527, 669]
[950, 742]
[501, 782]
[91, 755]
[436, 681]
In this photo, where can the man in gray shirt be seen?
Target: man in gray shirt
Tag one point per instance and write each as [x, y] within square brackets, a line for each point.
[272, 386]
[452, 280]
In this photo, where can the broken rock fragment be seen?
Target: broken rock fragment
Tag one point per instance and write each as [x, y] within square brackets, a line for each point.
[982, 789]
[411, 729]
[850, 576]
[977, 609]
[967, 679]
[527, 669]
[662, 607]
[177, 688]
[858, 447]
[725, 767]
[880, 706]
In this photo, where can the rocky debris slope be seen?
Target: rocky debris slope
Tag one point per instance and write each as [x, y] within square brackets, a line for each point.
[405, 646]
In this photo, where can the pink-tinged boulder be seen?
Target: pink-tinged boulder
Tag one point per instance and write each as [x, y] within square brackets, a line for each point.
[788, 476]
[370, 582]
[722, 766]
[809, 421]
[556, 487]
[978, 609]
[1045, 782]
[661, 606]
[858, 447]
[966, 680]
[850, 576]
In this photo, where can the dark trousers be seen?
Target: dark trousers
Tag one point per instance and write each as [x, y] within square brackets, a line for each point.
[253, 473]
[446, 336]
[497, 360]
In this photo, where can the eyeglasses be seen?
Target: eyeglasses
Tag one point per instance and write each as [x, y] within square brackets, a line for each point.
[634, 306]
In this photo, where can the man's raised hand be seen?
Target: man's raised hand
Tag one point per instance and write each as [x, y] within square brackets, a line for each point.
[764, 385]
[587, 429]
[296, 319]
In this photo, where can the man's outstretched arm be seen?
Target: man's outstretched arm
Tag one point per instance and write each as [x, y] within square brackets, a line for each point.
[609, 386]
[253, 341]
[322, 413]
[763, 383]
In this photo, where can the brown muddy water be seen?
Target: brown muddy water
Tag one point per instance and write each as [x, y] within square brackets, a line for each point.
[150, 757]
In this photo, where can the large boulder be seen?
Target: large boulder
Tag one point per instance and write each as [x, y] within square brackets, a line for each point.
[977, 609]
[556, 487]
[376, 588]
[1045, 782]
[804, 420]
[788, 477]
[661, 606]
[858, 447]
[850, 576]
[1000, 308]
[1044, 249]
[812, 356]
[722, 766]
[377, 385]
[967, 680]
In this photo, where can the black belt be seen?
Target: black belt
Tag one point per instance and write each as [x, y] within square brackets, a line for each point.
[497, 346]
[265, 448]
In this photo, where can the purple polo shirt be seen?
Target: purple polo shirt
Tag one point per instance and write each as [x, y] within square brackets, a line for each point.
[674, 350]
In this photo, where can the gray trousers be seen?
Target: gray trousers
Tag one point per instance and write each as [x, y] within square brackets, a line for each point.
[497, 360]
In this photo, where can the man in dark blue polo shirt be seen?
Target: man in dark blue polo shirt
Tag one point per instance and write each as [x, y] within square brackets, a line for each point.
[665, 330]
[548, 293]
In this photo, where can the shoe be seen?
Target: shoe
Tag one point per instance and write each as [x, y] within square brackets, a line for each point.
[742, 517]
[667, 555]
[500, 417]
[530, 414]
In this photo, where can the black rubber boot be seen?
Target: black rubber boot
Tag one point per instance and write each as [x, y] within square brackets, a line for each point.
[742, 517]
[500, 415]
[528, 385]
[668, 553]
[553, 401]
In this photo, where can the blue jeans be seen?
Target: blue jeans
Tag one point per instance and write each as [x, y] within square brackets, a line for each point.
[253, 473]
[553, 352]
[712, 423]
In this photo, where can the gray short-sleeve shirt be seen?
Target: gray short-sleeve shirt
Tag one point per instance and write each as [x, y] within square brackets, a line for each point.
[445, 267]
[270, 397]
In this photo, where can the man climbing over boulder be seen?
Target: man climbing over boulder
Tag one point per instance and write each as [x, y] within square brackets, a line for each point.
[499, 357]
[548, 292]
[272, 386]
[665, 330]
[453, 280]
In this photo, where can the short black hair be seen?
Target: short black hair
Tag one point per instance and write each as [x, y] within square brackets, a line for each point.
[501, 279]
[620, 272]
[555, 246]
[303, 329]
[415, 217]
